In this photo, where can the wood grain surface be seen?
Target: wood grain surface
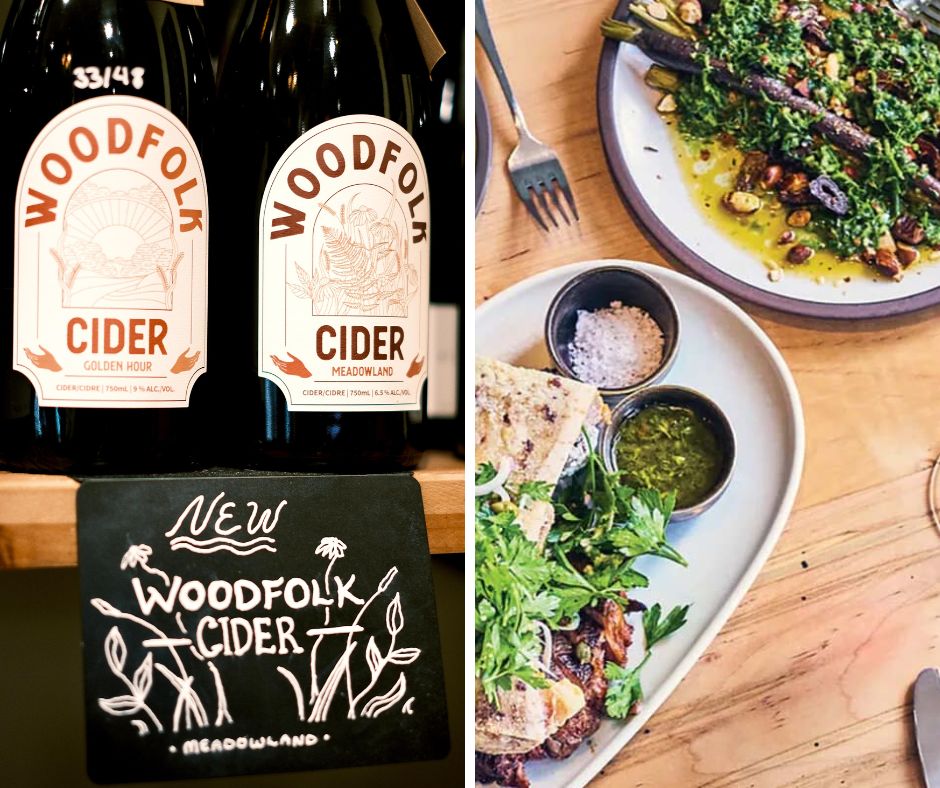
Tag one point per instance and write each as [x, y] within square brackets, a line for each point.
[37, 514]
[809, 683]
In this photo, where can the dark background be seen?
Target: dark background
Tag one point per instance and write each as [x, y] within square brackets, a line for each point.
[42, 737]
[42, 733]
[379, 518]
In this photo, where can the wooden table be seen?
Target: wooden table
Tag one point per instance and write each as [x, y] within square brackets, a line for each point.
[37, 514]
[809, 682]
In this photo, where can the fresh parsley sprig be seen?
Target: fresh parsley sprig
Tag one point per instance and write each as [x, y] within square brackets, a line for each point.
[624, 689]
[601, 517]
[601, 527]
[656, 629]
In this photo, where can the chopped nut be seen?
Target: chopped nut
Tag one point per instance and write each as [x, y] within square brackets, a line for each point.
[786, 238]
[752, 169]
[657, 11]
[832, 65]
[907, 255]
[799, 218]
[667, 104]
[741, 202]
[771, 176]
[794, 188]
[690, 11]
[775, 276]
[887, 243]
[886, 262]
[908, 230]
[799, 254]
[929, 154]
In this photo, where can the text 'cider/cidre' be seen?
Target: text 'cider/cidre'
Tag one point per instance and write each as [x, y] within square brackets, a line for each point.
[327, 214]
[105, 240]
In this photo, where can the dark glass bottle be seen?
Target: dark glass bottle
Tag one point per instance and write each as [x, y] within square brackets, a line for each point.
[303, 74]
[440, 425]
[94, 96]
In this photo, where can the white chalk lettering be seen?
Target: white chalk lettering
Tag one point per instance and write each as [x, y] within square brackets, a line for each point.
[343, 593]
[154, 597]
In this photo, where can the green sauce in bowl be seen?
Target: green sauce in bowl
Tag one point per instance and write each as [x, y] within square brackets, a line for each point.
[670, 448]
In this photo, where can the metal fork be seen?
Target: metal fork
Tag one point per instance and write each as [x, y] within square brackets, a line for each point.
[926, 11]
[534, 168]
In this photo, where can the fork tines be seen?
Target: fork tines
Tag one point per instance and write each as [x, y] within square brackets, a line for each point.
[926, 11]
[535, 185]
[930, 16]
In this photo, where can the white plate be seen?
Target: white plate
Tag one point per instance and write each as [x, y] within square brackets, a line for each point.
[726, 356]
[652, 184]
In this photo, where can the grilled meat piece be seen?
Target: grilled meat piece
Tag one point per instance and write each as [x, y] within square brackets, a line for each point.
[578, 657]
[524, 716]
[569, 737]
[588, 638]
[508, 770]
[618, 634]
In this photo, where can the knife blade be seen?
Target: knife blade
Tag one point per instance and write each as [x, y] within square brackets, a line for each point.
[927, 724]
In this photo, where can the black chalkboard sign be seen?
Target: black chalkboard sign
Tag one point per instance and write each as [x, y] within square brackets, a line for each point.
[257, 624]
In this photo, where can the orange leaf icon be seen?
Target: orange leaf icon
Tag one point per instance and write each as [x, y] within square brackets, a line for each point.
[185, 363]
[416, 366]
[44, 360]
[295, 367]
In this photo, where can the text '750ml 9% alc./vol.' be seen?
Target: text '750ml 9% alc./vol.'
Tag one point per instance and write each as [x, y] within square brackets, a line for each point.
[103, 245]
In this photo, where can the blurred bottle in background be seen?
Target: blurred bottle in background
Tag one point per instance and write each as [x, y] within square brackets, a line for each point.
[440, 424]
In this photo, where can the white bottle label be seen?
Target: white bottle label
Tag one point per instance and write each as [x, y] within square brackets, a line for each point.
[344, 267]
[110, 271]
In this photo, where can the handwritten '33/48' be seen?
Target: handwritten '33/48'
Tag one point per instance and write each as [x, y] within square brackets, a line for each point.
[92, 77]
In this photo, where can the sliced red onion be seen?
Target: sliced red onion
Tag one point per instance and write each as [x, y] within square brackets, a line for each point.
[496, 484]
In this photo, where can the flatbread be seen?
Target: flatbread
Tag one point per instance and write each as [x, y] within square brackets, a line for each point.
[525, 716]
[534, 418]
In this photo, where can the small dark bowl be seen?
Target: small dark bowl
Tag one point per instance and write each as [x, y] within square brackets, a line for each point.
[703, 407]
[594, 290]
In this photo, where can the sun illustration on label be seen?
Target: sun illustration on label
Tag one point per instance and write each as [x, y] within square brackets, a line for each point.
[117, 247]
[362, 264]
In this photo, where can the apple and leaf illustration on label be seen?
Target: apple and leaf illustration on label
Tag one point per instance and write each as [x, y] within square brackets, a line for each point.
[344, 268]
[110, 258]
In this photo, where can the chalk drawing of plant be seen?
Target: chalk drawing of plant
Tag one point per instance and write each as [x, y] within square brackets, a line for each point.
[139, 555]
[189, 709]
[394, 623]
[139, 685]
[332, 548]
[321, 695]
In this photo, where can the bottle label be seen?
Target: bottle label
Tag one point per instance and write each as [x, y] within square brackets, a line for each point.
[110, 270]
[344, 268]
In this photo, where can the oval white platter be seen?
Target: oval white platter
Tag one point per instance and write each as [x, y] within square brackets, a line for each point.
[640, 152]
[725, 355]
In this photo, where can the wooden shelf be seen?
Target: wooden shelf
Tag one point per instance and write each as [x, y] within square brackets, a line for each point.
[37, 514]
